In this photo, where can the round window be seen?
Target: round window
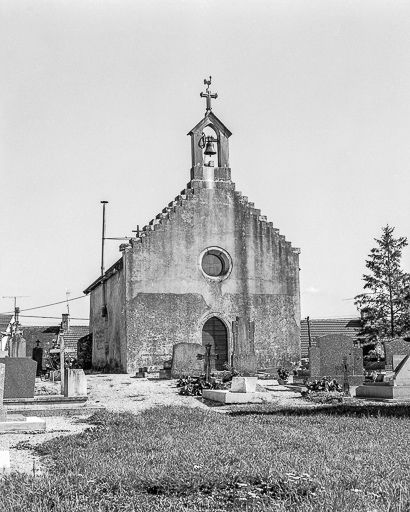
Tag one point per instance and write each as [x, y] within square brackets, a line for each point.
[216, 263]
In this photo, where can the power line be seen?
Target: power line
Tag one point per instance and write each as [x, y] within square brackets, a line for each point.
[47, 305]
[55, 317]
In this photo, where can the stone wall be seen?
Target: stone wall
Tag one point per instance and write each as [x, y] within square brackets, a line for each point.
[109, 333]
[168, 297]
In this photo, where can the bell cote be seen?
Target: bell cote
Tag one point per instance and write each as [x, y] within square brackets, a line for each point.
[209, 138]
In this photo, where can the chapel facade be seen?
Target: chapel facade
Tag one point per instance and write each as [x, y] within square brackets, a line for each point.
[208, 269]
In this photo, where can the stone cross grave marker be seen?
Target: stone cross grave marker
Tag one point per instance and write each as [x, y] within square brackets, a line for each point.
[343, 369]
[207, 357]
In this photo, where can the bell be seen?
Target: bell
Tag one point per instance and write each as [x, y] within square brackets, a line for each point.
[209, 148]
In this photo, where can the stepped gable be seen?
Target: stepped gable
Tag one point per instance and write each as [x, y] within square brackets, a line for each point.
[204, 176]
[165, 216]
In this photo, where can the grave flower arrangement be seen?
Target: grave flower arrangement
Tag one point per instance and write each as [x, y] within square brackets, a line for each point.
[323, 391]
[193, 386]
[283, 374]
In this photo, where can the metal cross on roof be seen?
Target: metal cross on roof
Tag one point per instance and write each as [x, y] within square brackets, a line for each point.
[208, 95]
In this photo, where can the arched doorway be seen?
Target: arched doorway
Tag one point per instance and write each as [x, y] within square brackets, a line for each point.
[215, 333]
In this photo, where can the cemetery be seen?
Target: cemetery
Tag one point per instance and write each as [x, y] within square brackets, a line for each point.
[195, 379]
[243, 441]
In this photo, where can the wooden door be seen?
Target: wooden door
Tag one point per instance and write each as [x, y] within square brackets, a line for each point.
[214, 332]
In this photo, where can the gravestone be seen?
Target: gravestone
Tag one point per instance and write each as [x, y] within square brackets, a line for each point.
[75, 382]
[18, 347]
[185, 359]
[243, 356]
[2, 378]
[37, 355]
[4, 444]
[244, 384]
[402, 373]
[396, 387]
[335, 356]
[20, 377]
[396, 347]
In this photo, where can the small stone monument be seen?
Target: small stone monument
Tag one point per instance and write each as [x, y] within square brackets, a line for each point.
[243, 391]
[75, 382]
[394, 386]
[18, 346]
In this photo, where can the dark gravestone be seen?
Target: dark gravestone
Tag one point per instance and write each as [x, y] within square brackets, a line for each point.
[398, 346]
[20, 377]
[185, 359]
[37, 356]
[244, 357]
[336, 357]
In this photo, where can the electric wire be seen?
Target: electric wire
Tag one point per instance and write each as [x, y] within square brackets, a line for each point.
[46, 305]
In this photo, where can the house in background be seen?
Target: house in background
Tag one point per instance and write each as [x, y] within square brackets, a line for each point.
[322, 327]
[48, 336]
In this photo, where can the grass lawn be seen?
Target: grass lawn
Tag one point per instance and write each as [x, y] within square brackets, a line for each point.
[182, 459]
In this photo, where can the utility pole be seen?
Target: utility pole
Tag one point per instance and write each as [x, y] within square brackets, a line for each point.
[67, 294]
[308, 326]
[62, 359]
[103, 237]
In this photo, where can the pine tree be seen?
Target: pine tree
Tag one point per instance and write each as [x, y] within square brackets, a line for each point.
[385, 305]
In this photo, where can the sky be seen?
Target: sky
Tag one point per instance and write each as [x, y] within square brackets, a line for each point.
[96, 99]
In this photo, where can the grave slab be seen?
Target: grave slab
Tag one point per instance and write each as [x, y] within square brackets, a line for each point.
[383, 391]
[227, 397]
[21, 423]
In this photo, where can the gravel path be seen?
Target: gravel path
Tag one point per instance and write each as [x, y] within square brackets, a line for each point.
[118, 393]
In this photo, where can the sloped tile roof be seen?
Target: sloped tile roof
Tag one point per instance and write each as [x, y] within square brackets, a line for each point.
[4, 322]
[73, 335]
[322, 327]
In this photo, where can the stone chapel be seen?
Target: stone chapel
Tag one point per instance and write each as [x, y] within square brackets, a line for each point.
[208, 269]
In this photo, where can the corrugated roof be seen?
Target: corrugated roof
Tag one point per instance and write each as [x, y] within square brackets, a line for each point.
[322, 327]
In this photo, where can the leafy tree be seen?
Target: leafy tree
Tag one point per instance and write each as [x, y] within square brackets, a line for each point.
[385, 306]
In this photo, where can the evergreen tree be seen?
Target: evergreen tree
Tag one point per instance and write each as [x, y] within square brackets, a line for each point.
[385, 305]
